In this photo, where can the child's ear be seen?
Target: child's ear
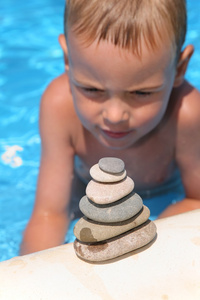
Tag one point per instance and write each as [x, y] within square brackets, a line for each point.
[63, 44]
[182, 65]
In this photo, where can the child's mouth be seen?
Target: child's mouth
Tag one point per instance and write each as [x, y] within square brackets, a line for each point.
[116, 135]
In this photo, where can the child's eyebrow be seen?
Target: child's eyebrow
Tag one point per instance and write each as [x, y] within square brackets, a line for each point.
[155, 88]
[149, 88]
[84, 84]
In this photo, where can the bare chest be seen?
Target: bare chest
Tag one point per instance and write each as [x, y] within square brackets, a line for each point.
[149, 163]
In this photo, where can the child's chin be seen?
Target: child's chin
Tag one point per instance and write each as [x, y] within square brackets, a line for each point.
[115, 144]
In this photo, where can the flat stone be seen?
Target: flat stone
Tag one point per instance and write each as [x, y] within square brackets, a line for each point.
[89, 231]
[111, 165]
[104, 193]
[115, 247]
[118, 211]
[101, 176]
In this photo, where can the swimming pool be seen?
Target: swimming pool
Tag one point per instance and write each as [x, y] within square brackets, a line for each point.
[30, 57]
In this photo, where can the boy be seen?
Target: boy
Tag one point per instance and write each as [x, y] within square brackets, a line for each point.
[123, 95]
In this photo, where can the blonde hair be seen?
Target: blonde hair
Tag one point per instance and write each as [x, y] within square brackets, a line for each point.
[127, 22]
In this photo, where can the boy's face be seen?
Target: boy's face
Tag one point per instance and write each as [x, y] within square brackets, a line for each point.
[118, 96]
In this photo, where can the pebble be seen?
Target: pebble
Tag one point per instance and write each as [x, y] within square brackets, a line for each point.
[111, 165]
[109, 192]
[120, 210]
[101, 176]
[89, 231]
[115, 247]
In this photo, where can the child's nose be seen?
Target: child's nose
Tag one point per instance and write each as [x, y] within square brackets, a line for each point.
[115, 111]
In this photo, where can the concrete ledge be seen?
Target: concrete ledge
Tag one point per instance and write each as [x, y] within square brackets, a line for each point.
[168, 269]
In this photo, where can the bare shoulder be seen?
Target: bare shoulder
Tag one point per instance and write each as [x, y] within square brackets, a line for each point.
[57, 97]
[185, 107]
[189, 105]
[57, 115]
[187, 139]
[188, 122]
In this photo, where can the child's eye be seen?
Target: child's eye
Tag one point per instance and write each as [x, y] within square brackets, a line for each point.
[91, 90]
[142, 93]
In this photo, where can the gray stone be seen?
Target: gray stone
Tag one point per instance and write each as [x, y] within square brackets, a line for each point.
[104, 193]
[89, 231]
[101, 176]
[120, 210]
[115, 247]
[111, 165]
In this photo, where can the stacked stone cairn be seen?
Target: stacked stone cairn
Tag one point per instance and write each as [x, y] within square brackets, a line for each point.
[115, 220]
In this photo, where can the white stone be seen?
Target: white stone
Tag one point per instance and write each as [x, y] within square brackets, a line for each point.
[101, 176]
[104, 193]
[169, 269]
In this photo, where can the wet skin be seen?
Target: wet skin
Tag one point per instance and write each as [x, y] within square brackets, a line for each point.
[110, 102]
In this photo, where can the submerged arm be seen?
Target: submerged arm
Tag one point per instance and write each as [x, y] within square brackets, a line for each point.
[49, 221]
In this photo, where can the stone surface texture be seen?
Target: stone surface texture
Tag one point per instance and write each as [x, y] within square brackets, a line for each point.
[168, 269]
[115, 247]
[101, 176]
[111, 165]
[109, 192]
[88, 231]
[118, 211]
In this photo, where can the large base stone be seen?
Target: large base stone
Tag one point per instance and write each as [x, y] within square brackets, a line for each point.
[118, 246]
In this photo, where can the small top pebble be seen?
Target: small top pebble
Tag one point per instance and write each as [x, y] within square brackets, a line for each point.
[101, 176]
[111, 165]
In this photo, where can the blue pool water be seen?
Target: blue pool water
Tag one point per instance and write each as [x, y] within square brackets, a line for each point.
[30, 58]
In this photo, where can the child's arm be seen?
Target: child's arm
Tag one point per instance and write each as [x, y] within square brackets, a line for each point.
[188, 152]
[49, 221]
[180, 207]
